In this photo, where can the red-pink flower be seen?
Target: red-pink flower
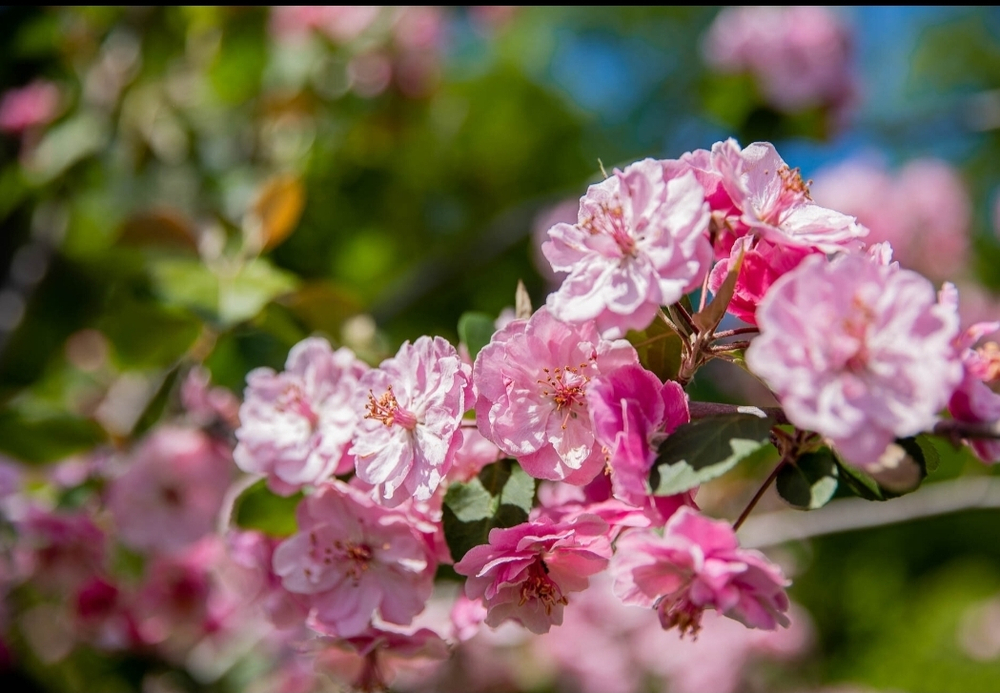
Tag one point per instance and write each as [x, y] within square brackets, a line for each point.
[532, 379]
[698, 564]
[415, 402]
[29, 106]
[356, 558]
[640, 242]
[297, 424]
[526, 571]
[631, 411]
[858, 351]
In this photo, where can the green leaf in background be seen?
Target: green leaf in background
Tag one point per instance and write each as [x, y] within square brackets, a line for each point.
[65, 144]
[659, 349]
[501, 496]
[145, 334]
[48, 439]
[705, 449]
[810, 481]
[475, 330]
[260, 508]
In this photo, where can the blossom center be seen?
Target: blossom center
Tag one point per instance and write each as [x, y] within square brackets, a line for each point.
[351, 556]
[539, 586]
[294, 400]
[611, 222]
[566, 386]
[989, 353]
[387, 410]
[856, 326]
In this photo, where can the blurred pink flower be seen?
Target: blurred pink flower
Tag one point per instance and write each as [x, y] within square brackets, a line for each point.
[640, 242]
[340, 23]
[171, 493]
[532, 378]
[472, 455]
[698, 564]
[355, 558]
[207, 405]
[296, 425]
[800, 57]
[408, 439]
[29, 106]
[631, 411]
[172, 601]
[859, 352]
[526, 571]
[924, 210]
[60, 550]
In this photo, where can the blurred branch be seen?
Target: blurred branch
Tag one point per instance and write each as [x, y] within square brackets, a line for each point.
[848, 514]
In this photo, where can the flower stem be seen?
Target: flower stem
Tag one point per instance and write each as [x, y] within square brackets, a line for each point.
[733, 333]
[760, 493]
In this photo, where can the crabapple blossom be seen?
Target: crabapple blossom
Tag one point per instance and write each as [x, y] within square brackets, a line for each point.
[297, 424]
[355, 558]
[775, 201]
[61, 549]
[630, 409]
[799, 56]
[412, 430]
[532, 378]
[973, 401]
[526, 571]
[698, 564]
[640, 242]
[857, 351]
[763, 263]
[171, 492]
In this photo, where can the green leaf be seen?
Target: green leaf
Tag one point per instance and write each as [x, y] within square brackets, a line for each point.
[708, 319]
[858, 482]
[47, 439]
[922, 450]
[659, 348]
[501, 496]
[475, 330]
[260, 508]
[810, 481]
[705, 449]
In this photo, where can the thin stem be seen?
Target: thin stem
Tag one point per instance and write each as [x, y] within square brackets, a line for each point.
[685, 317]
[732, 333]
[731, 346]
[704, 293]
[760, 493]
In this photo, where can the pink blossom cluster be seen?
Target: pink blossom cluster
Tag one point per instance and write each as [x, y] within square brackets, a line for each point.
[800, 57]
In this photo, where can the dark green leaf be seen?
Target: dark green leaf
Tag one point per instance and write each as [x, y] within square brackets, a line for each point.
[705, 449]
[659, 349]
[501, 496]
[922, 450]
[47, 439]
[260, 508]
[810, 481]
[859, 483]
[475, 330]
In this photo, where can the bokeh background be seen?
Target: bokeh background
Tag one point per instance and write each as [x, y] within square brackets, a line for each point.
[207, 186]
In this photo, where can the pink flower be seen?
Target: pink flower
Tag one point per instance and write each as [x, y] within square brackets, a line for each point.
[799, 56]
[973, 401]
[207, 405]
[631, 410]
[857, 351]
[355, 558]
[775, 201]
[62, 549]
[297, 424]
[341, 24]
[526, 571]
[698, 564]
[415, 402]
[532, 378]
[640, 242]
[924, 210]
[29, 106]
[473, 454]
[171, 493]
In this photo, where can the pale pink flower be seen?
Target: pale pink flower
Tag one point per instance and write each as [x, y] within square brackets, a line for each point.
[763, 263]
[640, 242]
[564, 212]
[171, 493]
[800, 57]
[923, 210]
[526, 571]
[973, 401]
[631, 412]
[355, 559]
[775, 202]
[859, 352]
[472, 455]
[532, 378]
[206, 405]
[698, 564]
[29, 106]
[172, 602]
[415, 401]
[341, 24]
[296, 425]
